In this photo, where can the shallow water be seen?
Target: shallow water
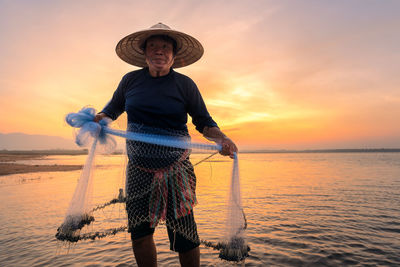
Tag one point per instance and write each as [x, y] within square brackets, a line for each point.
[315, 209]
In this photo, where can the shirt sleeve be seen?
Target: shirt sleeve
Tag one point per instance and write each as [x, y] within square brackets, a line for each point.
[116, 105]
[197, 108]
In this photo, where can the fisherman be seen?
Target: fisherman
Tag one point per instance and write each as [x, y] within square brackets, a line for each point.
[157, 98]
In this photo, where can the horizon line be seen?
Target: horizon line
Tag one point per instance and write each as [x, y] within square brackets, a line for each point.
[85, 151]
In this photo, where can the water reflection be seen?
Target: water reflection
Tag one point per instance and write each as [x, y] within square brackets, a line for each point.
[302, 209]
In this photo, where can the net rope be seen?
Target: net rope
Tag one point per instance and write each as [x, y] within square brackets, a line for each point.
[160, 185]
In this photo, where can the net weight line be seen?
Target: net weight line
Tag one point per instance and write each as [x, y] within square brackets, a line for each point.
[225, 248]
[87, 219]
[235, 249]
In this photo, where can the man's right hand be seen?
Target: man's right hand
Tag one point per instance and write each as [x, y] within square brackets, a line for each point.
[99, 116]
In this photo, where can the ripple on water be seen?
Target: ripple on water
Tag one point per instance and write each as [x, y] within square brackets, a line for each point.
[302, 210]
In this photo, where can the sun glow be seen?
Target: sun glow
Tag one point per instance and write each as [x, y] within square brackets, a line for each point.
[276, 76]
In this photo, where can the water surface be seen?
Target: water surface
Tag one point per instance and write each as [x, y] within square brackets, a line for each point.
[302, 209]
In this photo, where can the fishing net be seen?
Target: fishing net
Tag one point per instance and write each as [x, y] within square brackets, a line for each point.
[160, 186]
[236, 248]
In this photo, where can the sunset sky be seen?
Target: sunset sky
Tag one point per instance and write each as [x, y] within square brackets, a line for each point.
[275, 74]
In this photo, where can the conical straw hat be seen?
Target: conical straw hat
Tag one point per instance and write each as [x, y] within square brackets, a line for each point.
[189, 50]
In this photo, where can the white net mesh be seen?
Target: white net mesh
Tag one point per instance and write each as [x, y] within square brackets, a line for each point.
[79, 211]
[160, 188]
[236, 248]
[160, 184]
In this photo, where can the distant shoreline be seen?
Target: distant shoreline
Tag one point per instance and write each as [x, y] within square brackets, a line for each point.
[14, 168]
[9, 166]
[41, 153]
[367, 150]
[44, 152]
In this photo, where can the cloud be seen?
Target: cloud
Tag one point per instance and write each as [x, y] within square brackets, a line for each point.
[288, 71]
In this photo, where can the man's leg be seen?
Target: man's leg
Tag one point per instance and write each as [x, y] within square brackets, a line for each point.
[187, 243]
[190, 258]
[145, 251]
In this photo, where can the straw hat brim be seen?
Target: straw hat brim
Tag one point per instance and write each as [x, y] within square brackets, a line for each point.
[189, 49]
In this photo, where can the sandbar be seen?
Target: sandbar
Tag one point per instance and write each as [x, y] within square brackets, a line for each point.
[9, 166]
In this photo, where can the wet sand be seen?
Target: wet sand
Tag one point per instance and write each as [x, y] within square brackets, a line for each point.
[8, 163]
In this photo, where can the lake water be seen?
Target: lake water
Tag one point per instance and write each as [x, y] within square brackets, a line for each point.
[302, 209]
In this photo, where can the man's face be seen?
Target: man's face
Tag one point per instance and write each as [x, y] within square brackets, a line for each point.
[159, 54]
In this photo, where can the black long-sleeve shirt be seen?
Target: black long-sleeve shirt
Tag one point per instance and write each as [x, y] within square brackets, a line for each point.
[161, 102]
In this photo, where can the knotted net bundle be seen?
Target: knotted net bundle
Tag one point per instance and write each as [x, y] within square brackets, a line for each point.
[160, 185]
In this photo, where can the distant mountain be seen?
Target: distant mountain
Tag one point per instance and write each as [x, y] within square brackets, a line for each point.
[21, 141]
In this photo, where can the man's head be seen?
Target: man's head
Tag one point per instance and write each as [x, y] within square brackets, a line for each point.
[160, 51]
[186, 49]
